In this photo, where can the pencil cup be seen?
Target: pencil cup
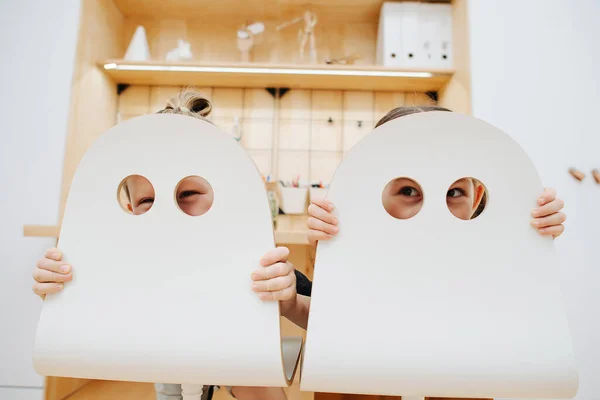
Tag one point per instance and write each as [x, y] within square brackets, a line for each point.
[293, 200]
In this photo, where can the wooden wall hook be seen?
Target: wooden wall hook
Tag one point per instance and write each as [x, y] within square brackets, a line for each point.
[576, 174]
[596, 175]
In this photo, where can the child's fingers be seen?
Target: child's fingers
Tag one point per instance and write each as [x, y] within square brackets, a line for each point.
[281, 295]
[551, 220]
[314, 236]
[42, 289]
[323, 203]
[548, 196]
[45, 276]
[275, 284]
[54, 266]
[54, 254]
[272, 271]
[318, 225]
[548, 209]
[279, 254]
[319, 213]
[555, 231]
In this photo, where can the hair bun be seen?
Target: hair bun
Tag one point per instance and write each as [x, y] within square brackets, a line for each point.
[200, 105]
[188, 102]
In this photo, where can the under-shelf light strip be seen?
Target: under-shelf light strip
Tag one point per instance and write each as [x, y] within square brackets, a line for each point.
[273, 71]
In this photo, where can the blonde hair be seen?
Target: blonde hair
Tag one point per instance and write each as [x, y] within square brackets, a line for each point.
[188, 102]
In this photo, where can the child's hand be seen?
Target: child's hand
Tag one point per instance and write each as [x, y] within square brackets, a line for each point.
[276, 279]
[322, 225]
[50, 273]
[547, 218]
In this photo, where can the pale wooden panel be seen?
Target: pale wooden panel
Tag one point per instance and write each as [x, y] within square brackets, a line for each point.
[171, 31]
[262, 159]
[159, 95]
[358, 117]
[323, 165]
[93, 107]
[457, 94]
[110, 390]
[353, 133]
[418, 99]
[227, 102]
[228, 109]
[258, 123]
[385, 102]
[258, 103]
[135, 100]
[257, 134]
[231, 125]
[61, 388]
[355, 11]
[296, 104]
[295, 223]
[326, 106]
[294, 120]
[294, 134]
[293, 164]
[206, 92]
[358, 106]
[213, 38]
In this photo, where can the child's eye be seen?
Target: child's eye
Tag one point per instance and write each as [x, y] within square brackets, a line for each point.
[146, 200]
[409, 191]
[187, 193]
[456, 192]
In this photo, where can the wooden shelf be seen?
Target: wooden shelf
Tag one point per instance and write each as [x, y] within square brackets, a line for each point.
[328, 77]
[356, 10]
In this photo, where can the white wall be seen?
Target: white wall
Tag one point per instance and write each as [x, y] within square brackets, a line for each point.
[535, 71]
[37, 52]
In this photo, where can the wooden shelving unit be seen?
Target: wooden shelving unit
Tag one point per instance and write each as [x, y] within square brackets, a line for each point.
[328, 77]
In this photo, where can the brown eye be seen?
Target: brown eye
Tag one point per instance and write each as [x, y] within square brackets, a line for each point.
[187, 193]
[456, 192]
[409, 191]
[147, 200]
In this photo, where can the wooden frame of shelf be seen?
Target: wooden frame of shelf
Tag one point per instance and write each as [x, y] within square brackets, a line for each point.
[255, 75]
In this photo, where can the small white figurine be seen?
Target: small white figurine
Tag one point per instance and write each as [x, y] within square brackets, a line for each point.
[306, 35]
[246, 38]
[183, 51]
[138, 49]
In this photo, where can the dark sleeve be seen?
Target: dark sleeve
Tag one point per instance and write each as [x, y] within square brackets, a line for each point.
[303, 284]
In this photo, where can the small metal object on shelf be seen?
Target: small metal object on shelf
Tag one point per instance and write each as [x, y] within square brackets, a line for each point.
[347, 60]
